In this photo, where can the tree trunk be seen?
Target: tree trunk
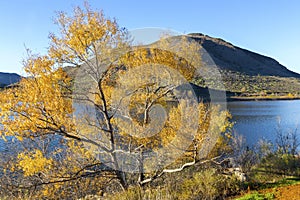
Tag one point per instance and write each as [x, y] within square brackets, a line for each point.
[141, 168]
[122, 178]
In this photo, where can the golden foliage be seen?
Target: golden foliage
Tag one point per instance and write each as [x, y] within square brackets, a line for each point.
[33, 163]
[149, 56]
[84, 35]
[39, 103]
[135, 99]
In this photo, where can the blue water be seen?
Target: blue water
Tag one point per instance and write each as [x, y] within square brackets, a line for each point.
[262, 119]
[253, 119]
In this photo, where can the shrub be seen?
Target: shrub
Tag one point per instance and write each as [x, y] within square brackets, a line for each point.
[208, 184]
[204, 184]
[258, 196]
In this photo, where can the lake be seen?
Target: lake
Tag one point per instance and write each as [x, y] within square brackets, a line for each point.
[253, 119]
[261, 119]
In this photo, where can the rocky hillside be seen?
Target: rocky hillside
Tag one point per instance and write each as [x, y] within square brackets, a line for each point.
[8, 78]
[246, 72]
[229, 57]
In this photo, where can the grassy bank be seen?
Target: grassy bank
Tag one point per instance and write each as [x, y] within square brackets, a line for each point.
[284, 189]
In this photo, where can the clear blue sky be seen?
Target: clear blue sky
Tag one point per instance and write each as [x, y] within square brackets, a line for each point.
[269, 27]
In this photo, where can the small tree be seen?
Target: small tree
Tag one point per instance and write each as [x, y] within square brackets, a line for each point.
[129, 115]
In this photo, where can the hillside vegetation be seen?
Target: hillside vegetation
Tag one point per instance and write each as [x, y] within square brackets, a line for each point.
[249, 85]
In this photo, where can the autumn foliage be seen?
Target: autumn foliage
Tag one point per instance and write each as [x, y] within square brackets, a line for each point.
[134, 92]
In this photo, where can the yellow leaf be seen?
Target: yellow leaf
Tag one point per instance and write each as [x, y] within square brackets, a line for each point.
[4, 138]
[20, 138]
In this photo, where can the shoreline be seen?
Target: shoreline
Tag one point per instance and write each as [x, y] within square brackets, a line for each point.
[261, 98]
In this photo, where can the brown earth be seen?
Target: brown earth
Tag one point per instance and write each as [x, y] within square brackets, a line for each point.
[291, 192]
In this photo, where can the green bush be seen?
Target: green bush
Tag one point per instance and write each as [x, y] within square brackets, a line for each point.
[257, 196]
[285, 164]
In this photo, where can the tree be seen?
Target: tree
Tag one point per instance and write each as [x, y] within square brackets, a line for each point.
[129, 115]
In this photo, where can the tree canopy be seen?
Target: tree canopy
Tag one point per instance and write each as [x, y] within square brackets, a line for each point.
[128, 117]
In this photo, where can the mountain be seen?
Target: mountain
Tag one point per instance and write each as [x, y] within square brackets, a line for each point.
[243, 72]
[8, 78]
[229, 57]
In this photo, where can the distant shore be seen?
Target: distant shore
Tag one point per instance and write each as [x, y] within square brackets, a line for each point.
[262, 98]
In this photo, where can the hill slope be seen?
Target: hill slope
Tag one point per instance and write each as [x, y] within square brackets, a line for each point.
[229, 57]
[8, 78]
[246, 72]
